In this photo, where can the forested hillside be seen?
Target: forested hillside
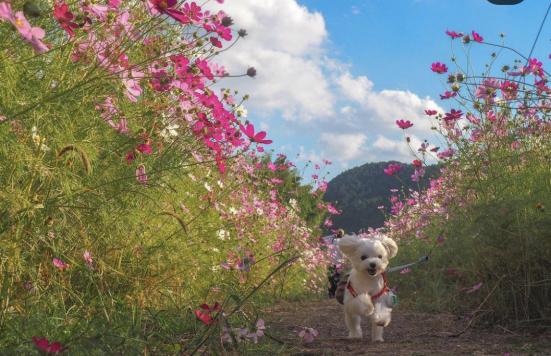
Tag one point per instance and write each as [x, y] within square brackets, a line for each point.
[359, 191]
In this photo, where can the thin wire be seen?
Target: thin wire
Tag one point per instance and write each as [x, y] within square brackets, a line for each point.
[539, 32]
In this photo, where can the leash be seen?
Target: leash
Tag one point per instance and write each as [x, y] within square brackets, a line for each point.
[423, 259]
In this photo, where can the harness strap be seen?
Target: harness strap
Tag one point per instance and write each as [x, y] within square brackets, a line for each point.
[373, 297]
[351, 290]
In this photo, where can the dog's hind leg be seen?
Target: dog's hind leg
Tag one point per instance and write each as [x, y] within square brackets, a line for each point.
[353, 325]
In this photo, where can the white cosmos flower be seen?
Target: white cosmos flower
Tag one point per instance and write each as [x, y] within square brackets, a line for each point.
[39, 141]
[223, 234]
[241, 111]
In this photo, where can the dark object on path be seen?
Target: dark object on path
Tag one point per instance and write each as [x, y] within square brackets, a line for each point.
[341, 286]
[333, 271]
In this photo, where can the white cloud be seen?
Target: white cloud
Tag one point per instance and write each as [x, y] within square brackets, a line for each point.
[356, 89]
[286, 46]
[343, 146]
[336, 114]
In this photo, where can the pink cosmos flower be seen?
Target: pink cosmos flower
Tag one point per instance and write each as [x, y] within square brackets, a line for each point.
[488, 89]
[62, 266]
[308, 334]
[332, 210]
[446, 154]
[141, 176]
[472, 119]
[260, 327]
[405, 270]
[509, 90]
[88, 258]
[404, 124]
[454, 34]
[258, 137]
[447, 95]
[535, 66]
[439, 68]
[45, 346]
[477, 37]
[418, 174]
[431, 112]
[473, 288]
[65, 18]
[515, 145]
[417, 163]
[33, 35]
[392, 169]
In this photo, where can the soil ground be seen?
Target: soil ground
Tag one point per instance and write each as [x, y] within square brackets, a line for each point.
[410, 333]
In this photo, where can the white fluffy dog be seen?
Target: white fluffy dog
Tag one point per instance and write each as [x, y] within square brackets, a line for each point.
[366, 292]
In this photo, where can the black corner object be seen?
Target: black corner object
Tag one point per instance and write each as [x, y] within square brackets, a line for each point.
[505, 2]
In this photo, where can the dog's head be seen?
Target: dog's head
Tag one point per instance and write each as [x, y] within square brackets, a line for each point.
[369, 255]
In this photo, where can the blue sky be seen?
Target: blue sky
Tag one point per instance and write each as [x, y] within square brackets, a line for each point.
[333, 76]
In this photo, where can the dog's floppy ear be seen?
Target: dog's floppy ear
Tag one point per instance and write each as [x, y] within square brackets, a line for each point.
[390, 246]
[348, 244]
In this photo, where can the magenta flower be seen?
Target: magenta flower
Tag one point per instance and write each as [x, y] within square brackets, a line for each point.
[453, 115]
[392, 169]
[439, 68]
[477, 37]
[62, 266]
[65, 18]
[454, 34]
[535, 66]
[431, 112]
[45, 346]
[215, 42]
[168, 7]
[258, 137]
[145, 148]
[404, 124]
[509, 90]
[447, 95]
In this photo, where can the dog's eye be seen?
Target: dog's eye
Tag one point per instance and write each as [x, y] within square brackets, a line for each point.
[380, 256]
[363, 257]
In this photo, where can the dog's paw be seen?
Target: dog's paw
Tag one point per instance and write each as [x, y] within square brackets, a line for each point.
[378, 340]
[354, 335]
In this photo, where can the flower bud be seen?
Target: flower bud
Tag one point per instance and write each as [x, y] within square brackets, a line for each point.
[251, 72]
[31, 9]
[242, 32]
[227, 21]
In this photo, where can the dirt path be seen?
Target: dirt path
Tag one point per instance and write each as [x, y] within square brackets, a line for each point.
[408, 334]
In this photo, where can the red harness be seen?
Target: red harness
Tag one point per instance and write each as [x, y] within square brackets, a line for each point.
[373, 297]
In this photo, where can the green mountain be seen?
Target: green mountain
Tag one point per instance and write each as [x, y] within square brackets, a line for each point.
[359, 191]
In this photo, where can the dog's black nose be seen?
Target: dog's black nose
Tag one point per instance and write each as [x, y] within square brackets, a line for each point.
[372, 265]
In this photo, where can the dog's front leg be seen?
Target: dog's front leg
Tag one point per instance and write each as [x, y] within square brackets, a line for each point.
[353, 324]
[376, 332]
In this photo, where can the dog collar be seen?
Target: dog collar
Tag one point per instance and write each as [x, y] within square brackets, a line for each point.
[373, 297]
